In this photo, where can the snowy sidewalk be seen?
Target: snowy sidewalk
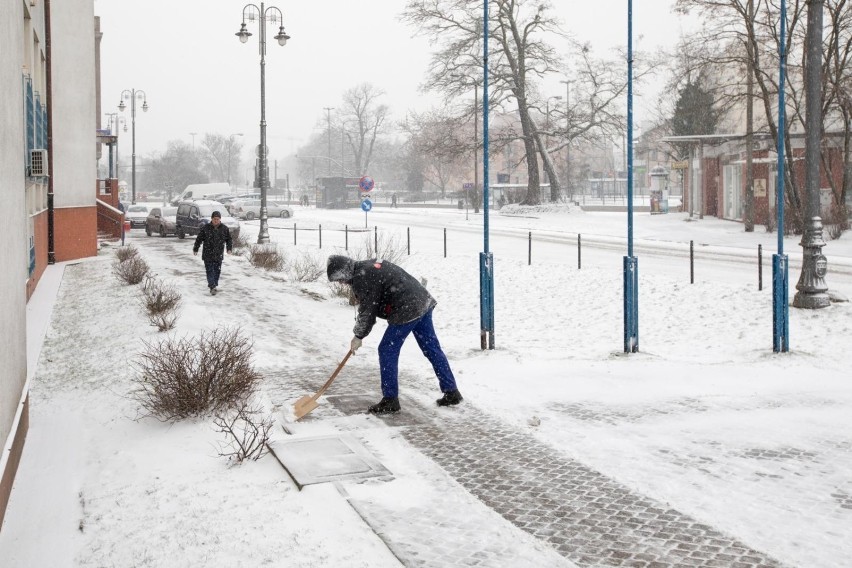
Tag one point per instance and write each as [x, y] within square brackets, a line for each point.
[587, 518]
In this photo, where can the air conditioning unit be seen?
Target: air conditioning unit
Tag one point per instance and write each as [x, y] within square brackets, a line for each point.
[38, 163]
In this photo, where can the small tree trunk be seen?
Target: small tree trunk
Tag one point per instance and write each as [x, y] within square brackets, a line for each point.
[550, 168]
[533, 196]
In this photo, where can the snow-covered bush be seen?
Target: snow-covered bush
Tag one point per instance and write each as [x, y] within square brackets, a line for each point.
[131, 270]
[178, 378]
[246, 431]
[267, 256]
[307, 268]
[125, 252]
[161, 302]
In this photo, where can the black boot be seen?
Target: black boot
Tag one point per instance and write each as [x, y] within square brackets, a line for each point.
[386, 406]
[450, 398]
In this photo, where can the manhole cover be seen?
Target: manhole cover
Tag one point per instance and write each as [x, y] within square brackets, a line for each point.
[326, 458]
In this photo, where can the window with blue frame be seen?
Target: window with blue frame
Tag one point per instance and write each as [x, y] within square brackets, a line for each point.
[29, 116]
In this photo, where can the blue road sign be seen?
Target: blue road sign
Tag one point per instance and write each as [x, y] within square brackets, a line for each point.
[366, 205]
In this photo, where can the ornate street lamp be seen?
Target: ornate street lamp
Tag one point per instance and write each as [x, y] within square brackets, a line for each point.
[263, 14]
[133, 95]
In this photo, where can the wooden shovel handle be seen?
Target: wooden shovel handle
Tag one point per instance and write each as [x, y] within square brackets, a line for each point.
[333, 376]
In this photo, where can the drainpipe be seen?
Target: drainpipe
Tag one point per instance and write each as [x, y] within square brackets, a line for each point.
[51, 254]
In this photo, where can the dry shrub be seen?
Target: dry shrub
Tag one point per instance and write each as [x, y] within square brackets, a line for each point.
[389, 248]
[126, 252]
[161, 302]
[246, 431]
[179, 378]
[307, 268]
[836, 222]
[267, 257]
[131, 271]
[342, 291]
[241, 245]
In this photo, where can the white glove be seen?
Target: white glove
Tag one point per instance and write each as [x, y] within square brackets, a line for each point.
[356, 343]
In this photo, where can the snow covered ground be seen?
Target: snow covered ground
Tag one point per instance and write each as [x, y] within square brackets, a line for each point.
[705, 418]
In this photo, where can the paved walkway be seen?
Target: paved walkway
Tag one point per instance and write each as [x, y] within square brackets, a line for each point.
[585, 517]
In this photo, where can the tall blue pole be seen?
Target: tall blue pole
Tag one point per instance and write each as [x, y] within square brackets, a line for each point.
[631, 263]
[780, 266]
[486, 259]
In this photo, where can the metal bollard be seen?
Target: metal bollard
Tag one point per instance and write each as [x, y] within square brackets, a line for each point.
[408, 239]
[691, 263]
[320, 236]
[376, 240]
[529, 251]
[760, 267]
[445, 242]
[347, 237]
[579, 251]
[294, 234]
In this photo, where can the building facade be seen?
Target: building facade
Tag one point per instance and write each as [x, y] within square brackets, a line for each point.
[47, 178]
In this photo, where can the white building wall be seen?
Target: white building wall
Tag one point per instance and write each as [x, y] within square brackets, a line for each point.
[74, 99]
[13, 276]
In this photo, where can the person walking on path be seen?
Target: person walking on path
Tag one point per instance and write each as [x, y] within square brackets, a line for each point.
[384, 290]
[215, 237]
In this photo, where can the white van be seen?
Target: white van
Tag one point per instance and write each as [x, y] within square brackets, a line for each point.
[202, 191]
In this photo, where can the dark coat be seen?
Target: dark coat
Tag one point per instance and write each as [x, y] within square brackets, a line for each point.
[214, 239]
[384, 290]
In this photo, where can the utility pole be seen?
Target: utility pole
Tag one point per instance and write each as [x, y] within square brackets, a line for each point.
[328, 121]
[749, 188]
[476, 149]
[812, 289]
[568, 137]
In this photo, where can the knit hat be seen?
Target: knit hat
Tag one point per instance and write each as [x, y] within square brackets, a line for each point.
[340, 268]
[216, 214]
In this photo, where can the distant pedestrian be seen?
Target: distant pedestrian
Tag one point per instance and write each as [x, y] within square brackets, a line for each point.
[384, 290]
[393, 200]
[216, 238]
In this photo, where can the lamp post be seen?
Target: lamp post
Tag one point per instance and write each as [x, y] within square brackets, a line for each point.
[547, 111]
[567, 136]
[547, 128]
[812, 288]
[328, 122]
[230, 145]
[263, 14]
[133, 95]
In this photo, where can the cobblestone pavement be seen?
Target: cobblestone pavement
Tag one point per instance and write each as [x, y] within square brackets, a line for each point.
[586, 517]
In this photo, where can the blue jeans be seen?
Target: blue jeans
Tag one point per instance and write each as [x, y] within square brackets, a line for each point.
[214, 269]
[391, 344]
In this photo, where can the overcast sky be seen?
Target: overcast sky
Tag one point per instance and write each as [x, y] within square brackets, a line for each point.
[198, 77]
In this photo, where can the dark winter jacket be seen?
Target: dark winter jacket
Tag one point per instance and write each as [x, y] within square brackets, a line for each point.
[382, 290]
[214, 239]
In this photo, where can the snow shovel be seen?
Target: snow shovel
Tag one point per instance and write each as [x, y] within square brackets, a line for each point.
[306, 404]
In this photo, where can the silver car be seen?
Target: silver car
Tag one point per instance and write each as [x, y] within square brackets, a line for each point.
[161, 220]
[137, 214]
[249, 209]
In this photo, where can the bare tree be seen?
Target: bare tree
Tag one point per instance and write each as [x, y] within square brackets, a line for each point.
[176, 168]
[221, 155]
[731, 40]
[434, 135]
[520, 55]
[365, 118]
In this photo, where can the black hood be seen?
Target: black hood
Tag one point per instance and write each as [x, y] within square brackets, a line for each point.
[340, 268]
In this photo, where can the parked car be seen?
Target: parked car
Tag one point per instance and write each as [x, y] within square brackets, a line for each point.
[192, 215]
[249, 209]
[137, 214]
[161, 220]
